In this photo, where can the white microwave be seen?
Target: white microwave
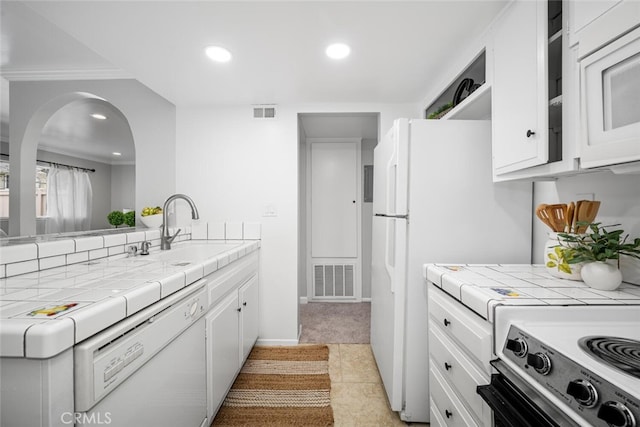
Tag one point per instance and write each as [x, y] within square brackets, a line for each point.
[610, 103]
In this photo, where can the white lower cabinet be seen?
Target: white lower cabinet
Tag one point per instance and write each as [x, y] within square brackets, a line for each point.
[459, 355]
[232, 327]
[249, 315]
[223, 356]
[451, 409]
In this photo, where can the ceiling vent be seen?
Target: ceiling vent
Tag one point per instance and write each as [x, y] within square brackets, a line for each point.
[264, 111]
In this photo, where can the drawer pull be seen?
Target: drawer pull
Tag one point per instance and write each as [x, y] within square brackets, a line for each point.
[446, 322]
[448, 413]
[447, 366]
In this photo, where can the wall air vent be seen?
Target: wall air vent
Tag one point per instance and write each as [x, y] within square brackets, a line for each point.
[264, 111]
[333, 280]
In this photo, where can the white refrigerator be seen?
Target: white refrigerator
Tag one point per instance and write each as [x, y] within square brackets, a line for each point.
[434, 202]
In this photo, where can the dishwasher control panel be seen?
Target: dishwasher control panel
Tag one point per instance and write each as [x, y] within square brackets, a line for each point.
[107, 359]
[120, 362]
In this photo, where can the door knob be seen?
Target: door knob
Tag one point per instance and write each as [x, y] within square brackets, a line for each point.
[530, 133]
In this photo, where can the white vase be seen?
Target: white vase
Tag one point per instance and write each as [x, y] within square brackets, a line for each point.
[601, 275]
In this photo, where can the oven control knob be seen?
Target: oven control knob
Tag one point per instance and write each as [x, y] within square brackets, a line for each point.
[584, 393]
[616, 414]
[518, 346]
[540, 362]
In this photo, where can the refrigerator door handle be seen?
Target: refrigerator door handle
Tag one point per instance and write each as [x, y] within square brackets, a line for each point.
[392, 216]
[389, 251]
[391, 177]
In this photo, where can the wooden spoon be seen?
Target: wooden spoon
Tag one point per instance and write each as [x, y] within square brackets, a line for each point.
[588, 212]
[541, 213]
[576, 214]
[568, 219]
[556, 215]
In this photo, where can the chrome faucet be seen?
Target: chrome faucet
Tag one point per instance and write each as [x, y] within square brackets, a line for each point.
[165, 238]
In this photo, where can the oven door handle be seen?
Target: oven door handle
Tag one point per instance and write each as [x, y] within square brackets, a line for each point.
[517, 404]
[511, 406]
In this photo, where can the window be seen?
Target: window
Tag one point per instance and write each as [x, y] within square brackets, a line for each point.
[42, 173]
[4, 189]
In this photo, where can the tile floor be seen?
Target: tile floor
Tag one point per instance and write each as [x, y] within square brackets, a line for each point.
[357, 395]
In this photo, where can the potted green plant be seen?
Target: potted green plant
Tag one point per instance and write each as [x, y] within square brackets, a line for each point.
[130, 218]
[115, 218]
[596, 249]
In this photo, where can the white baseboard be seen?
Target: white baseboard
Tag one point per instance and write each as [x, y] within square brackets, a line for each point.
[304, 300]
[276, 342]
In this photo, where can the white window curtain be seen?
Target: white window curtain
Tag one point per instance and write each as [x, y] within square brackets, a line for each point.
[69, 200]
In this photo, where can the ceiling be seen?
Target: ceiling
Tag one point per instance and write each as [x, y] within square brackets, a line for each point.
[90, 138]
[277, 47]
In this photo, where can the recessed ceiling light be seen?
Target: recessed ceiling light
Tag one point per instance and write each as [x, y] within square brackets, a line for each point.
[99, 116]
[338, 51]
[115, 153]
[218, 54]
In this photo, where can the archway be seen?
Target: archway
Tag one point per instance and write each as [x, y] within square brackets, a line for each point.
[25, 137]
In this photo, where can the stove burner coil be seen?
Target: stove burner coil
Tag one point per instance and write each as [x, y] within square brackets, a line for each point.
[619, 353]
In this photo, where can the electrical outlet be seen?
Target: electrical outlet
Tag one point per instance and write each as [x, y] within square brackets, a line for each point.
[586, 196]
[269, 210]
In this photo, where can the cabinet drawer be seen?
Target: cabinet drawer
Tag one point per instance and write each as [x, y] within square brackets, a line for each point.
[449, 407]
[460, 372]
[436, 419]
[468, 330]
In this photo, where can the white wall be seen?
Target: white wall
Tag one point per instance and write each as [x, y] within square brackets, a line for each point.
[302, 211]
[620, 204]
[367, 221]
[123, 187]
[233, 166]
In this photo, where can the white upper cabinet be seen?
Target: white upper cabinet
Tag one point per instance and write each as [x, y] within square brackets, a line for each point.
[519, 92]
[606, 35]
[534, 93]
[595, 23]
[610, 99]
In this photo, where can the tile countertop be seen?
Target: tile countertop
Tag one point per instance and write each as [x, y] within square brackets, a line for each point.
[482, 287]
[46, 312]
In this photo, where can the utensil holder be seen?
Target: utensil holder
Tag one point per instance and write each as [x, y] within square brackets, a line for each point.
[554, 259]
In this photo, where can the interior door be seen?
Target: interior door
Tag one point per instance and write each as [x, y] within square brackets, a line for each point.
[334, 193]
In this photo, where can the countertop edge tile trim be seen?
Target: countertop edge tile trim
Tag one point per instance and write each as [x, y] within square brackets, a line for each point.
[46, 339]
[457, 280]
[93, 316]
[98, 316]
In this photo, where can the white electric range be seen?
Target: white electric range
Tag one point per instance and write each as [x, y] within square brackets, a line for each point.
[581, 361]
[565, 354]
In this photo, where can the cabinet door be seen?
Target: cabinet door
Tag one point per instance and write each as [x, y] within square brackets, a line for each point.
[223, 343]
[250, 316]
[519, 91]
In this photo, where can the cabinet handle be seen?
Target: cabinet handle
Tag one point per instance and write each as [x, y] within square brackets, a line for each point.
[530, 133]
[239, 309]
[446, 322]
[447, 366]
[244, 304]
[448, 413]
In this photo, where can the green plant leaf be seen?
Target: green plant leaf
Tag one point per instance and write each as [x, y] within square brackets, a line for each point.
[565, 268]
[551, 264]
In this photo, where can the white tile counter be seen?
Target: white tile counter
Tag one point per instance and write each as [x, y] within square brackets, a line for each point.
[45, 312]
[483, 287]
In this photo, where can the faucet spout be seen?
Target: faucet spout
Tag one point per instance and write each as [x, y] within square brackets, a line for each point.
[165, 238]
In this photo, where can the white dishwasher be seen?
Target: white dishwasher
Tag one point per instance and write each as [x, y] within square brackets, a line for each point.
[149, 369]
